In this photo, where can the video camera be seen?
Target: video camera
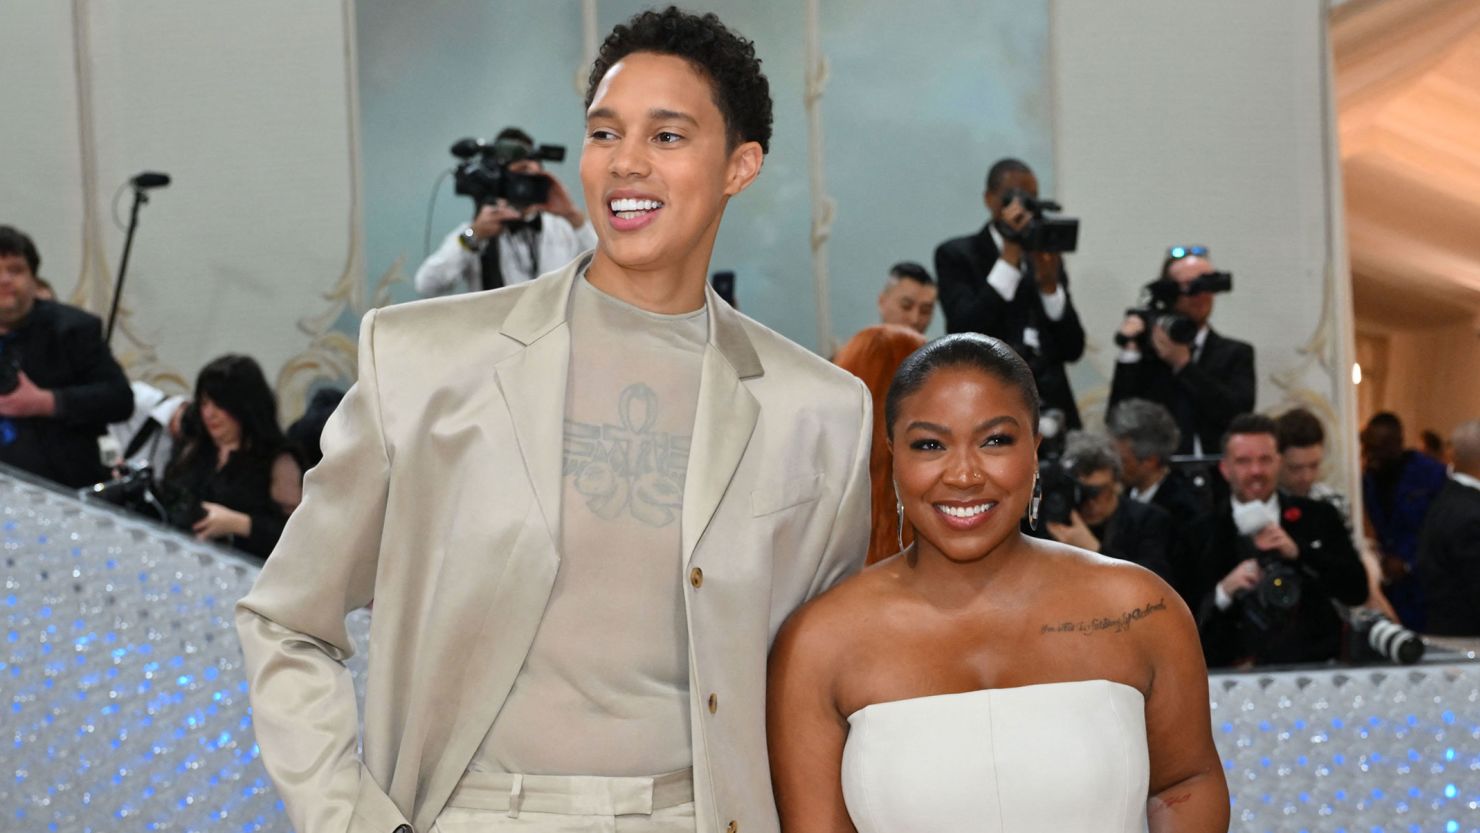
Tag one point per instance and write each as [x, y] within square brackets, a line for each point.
[1061, 491]
[485, 176]
[132, 489]
[1042, 233]
[1158, 299]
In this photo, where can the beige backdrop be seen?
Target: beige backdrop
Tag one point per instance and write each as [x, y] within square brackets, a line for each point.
[250, 106]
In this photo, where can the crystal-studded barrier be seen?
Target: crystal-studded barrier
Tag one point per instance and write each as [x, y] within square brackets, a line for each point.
[125, 709]
[124, 702]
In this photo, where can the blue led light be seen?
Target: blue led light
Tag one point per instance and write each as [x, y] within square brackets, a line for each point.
[1451, 827]
[1450, 791]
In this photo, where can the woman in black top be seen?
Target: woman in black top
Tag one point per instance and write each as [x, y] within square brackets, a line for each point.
[234, 481]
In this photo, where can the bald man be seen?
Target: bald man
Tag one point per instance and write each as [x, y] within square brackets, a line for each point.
[1449, 545]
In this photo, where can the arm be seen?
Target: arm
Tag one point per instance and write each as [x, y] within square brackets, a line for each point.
[1154, 543]
[1133, 379]
[442, 271]
[847, 541]
[265, 528]
[1063, 335]
[805, 730]
[100, 393]
[1188, 791]
[291, 624]
[1335, 565]
[968, 302]
[1225, 391]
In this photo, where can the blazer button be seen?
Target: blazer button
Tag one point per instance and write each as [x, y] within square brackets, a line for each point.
[696, 578]
[713, 703]
[732, 827]
[403, 828]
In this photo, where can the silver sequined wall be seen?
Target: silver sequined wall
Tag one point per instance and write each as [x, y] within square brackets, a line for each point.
[124, 706]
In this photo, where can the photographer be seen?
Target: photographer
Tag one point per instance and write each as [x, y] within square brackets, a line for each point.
[507, 243]
[1270, 564]
[59, 384]
[1203, 378]
[1100, 521]
[994, 284]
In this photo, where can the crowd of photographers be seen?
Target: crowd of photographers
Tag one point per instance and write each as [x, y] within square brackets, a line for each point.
[1226, 505]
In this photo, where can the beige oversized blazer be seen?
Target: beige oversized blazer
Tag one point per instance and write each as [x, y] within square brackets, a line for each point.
[439, 498]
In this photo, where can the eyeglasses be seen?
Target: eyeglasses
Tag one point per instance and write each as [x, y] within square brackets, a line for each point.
[1179, 252]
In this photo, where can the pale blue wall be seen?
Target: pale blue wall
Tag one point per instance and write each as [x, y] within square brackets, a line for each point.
[916, 109]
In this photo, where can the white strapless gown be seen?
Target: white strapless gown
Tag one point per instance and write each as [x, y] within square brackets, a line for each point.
[1050, 758]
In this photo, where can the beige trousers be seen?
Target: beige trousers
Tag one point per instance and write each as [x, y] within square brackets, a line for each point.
[485, 801]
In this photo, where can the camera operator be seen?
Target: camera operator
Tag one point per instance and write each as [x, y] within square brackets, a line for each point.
[505, 243]
[1100, 521]
[59, 384]
[1204, 378]
[1270, 563]
[995, 283]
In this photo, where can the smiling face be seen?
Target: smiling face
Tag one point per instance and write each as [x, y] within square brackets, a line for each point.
[1251, 465]
[657, 171]
[964, 460]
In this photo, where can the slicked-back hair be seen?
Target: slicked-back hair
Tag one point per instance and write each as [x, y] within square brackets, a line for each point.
[1001, 168]
[1250, 424]
[1299, 428]
[727, 60]
[1148, 427]
[13, 241]
[911, 270]
[962, 350]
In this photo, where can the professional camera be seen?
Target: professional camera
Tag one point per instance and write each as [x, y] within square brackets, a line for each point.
[1372, 636]
[1041, 234]
[1274, 599]
[1061, 491]
[484, 172]
[132, 489]
[1158, 299]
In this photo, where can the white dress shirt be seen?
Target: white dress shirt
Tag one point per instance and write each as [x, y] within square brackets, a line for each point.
[453, 268]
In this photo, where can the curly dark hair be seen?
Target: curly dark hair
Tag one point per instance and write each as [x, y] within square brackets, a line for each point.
[728, 60]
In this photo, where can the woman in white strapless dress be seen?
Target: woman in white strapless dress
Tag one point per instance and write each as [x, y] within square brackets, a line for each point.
[984, 680]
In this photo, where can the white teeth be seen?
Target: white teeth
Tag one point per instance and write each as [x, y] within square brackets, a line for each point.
[630, 204]
[965, 511]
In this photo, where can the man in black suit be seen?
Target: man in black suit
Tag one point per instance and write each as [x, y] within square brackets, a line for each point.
[1204, 383]
[1449, 545]
[64, 386]
[1261, 546]
[990, 285]
[1146, 437]
[1104, 521]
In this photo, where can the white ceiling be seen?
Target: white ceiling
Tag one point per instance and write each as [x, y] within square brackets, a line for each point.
[1408, 104]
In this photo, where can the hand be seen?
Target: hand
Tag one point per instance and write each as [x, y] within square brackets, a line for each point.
[491, 218]
[1132, 328]
[1245, 576]
[1393, 569]
[1075, 533]
[1047, 268]
[27, 400]
[1274, 538]
[559, 202]
[1174, 354]
[1016, 218]
[220, 522]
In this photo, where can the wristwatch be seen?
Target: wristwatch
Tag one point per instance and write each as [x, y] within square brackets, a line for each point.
[469, 240]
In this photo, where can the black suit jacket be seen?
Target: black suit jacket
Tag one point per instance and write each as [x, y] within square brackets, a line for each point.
[1204, 397]
[971, 305]
[61, 348]
[1183, 503]
[1139, 533]
[1449, 561]
[1329, 570]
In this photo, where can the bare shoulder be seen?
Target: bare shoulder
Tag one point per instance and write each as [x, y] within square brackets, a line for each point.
[833, 623]
[1117, 595]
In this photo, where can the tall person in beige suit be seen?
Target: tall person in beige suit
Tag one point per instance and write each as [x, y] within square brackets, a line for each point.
[582, 506]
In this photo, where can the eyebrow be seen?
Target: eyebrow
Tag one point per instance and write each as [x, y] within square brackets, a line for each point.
[941, 429]
[655, 114]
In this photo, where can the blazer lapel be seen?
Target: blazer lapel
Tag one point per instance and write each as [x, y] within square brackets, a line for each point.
[723, 422]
